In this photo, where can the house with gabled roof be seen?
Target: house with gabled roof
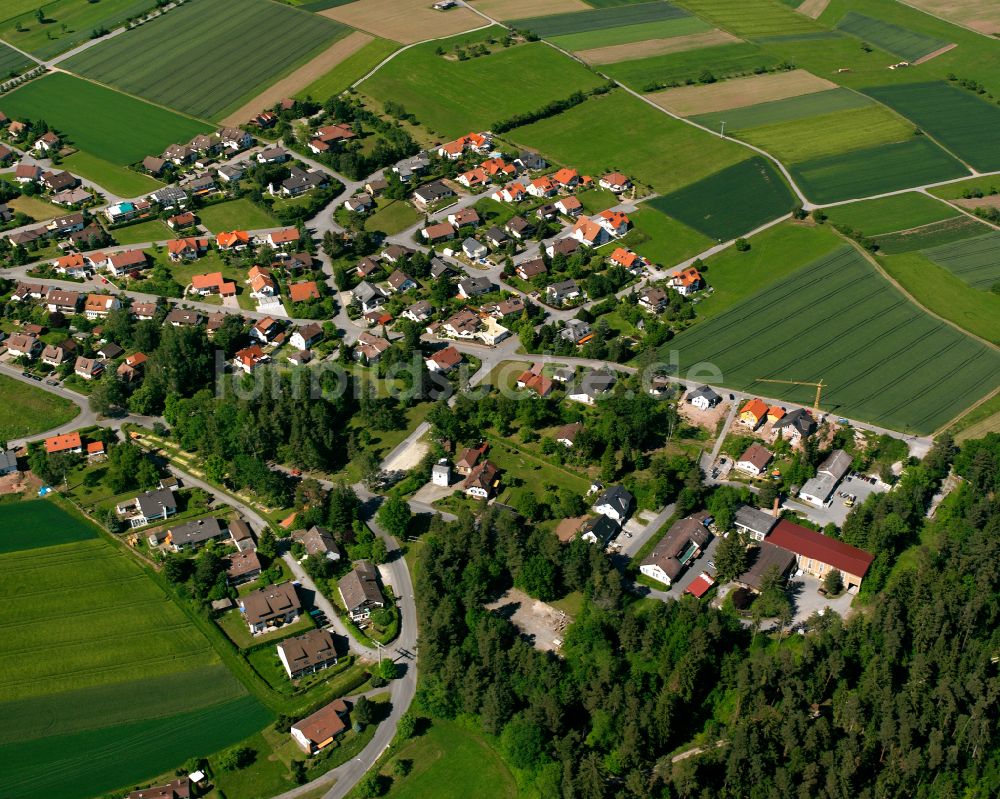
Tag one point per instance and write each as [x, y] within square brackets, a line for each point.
[753, 413]
[542, 187]
[566, 178]
[570, 206]
[677, 550]
[795, 425]
[265, 330]
[271, 607]
[687, 281]
[303, 291]
[307, 653]
[121, 263]
[444, 360]
[818, 554]
[212, 283]
[360, 591]
[232, 240]
[97, 306]
[188, 249]
[369, 348]
[249, 358]
[24, 345]
[511, 193]
[754, 460]
[589, 232]
[616, 182]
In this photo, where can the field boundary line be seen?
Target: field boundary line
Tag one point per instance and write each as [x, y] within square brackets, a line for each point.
[961, 210]
[899, 287]
[966, 412]
[961, 25]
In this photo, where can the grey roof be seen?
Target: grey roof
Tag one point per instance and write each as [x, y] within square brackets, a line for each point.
[618, 497]
[471, 245]
[602, 528]
[681, 535]
[365, 291]
[530, 160]
[475, 285]
[440, 268]
[799, 419]
[562, 287]
[153, 503]
[168, 195]
[837, 464]
[830, 472]
[8, 461]
[595, 383]
[755, 519]
[703, 391]
[433, 191]
[196, 532]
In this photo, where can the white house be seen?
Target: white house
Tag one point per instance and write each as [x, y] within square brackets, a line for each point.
[754, 461]
[703, 398]
[616, 503]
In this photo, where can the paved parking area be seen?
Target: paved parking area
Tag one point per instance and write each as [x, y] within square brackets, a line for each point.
[803, 590]
[836, 511]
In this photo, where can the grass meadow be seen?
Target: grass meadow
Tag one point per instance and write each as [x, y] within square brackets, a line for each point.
[26, 410]
[349, 70]
[674, 69]
[934, 234]
[883, 360]
[238, 214]
[662, 239]
[875, 170]
[212, 55]
[104, 123]
[105, 680]
[12, 62]
[790, 109]
[752, 19]
[453, 97]
[890, 214]
[116, 179]
[965, 124]
[731, 202]
[652, 148]
[608, 37]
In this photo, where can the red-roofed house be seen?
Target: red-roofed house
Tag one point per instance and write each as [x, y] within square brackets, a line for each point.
[687, 281]
[511, 193]
[587, 231]
[567, 178]
[570, 206]
[534, 380]
[280, 238]
[249, 358]
[68, 442]
[616, 182]
[753, 413]
[212, 283]
[542, 187]
[302, 292]
[444, 360]
[817, 554]
[186, 249]
[474, 177]
[233, 240]
[615, 222]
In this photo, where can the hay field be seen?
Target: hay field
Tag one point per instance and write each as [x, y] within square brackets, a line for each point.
[405, 21]
[739, 92]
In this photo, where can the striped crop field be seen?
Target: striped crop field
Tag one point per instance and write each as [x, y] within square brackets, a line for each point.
[212, 55]
[881, 358]
[975, 261]
[598, 19]
[902, 42]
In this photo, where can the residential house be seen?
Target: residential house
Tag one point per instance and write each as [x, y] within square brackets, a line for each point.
[566, 246]
[546, 212]
[441, 269]
[703, 398]
[653, 299]
[143, 310]
[194, 534]
[150, 506]
[306, 336]
[308, 653]
[28, 291]
[265, 330]
[439, 231]
[627, 259]
[599, 530]
[109, 350]
[474, 287]
[512, 306]
[366, 267]
[562, 292]
[774, 413]
[754, 460]
[179, 154]
[212, 283]
[27, 173]
[577, 331]
[533, 380]
[88, 368]
[566, 435]
[63, 301]
[360, 591]
[24, 345]
[795, 425]
[818, 490]
[132, 367]
[687, 281]
[418, 312]
[474, 250]
[186, 249]
[360, 203]
[318, 541]
[59, 181]
[530, 269]
[122, 263]
[319, 730]
[483, 481]
[511, 193]
[179, 317]
[464, 217]
[591, 387]
[369, 348]
[179, 788]
[367, 296]
[615, 222]
[249, 358]
[430, 194]
[763, 561]
[273, 155]
[55, 355]
[519, 227]
[542, 187]
[299, 182]
[590, 232]
[616, 182]
[817, 554]
[754, 523]
[530, 161]
[262, 285]
[616, 503]
[8, 461]
[409, 167]
[682, 544]
[443, 360]
[185, 219]
[567, 178]
[753, 413]
[462, 325]
[271, 607]
[47, 142]
[283, 238]
[474, 178]
[73, 265]
[97, 306]
[569, 206]
[233, 240]
[468, 460]
[67, 442]
[68, 197]
[242, 567]
[64, 225]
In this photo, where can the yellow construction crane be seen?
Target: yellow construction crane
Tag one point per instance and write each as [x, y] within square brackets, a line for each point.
[818, 386]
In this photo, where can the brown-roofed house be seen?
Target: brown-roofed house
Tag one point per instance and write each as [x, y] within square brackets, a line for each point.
[318, 731]
[271, 607]
[176, 789]
[359, 589]
[242, 567]
[754, 460]
[307, 654]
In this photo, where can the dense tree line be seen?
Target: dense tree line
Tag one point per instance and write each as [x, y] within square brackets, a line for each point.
[900, 700]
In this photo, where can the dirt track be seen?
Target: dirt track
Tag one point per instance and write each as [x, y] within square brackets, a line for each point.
[935, 54]
[653, 47]
[300, 78]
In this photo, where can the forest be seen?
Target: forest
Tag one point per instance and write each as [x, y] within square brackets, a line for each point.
[899, 700]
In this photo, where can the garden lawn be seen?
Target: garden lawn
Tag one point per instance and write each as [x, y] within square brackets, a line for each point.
[100, 121]
[38, 523]
[142, 232]
[889, 214]
[452, 97]
[37, 208]
[26, 410]
[974, 261]
[600, 19]
[875, 170]
[732, 202]
[882, 359]
[773, 256]
[238, 214]
[962, 122]
[392, 217]
[349, 70]
[111, 177]
[946, 294]
[721, 61]
[609, 37]
[451, 761]
[907, 44]
[67, 22]
[830, 134]
[12, 62]
[789, 109]
[662, 239]
[652, 148]
[212, 55]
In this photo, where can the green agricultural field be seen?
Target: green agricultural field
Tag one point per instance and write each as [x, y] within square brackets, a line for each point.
[12, 62]
[882, 359]
[961, 121]
[663, 240]
[830, 134]
[946, 295]
[67, 22]
[773, 256]
[114, 178]
[355, 66]
[38, 523]
[974, 261]
[235, 215]
[450, 97]
[26, 410]
[731, 202]
[935, 234]
[212, 55]
[652, 148]
[99, 121]
[791, 109]
[752, 18]
[598, 19]
[129, 690]
[607, 37]
[970, 187]
[889, 214]
[875, 170]
[674, 69]
[907, 44]
[451, 761]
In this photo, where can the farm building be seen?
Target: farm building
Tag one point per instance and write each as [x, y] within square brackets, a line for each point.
[817, 554]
